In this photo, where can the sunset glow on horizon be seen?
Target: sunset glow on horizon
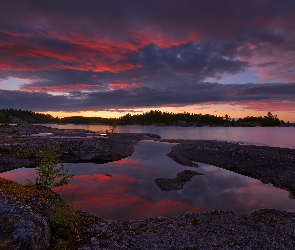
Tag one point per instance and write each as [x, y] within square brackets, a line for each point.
[109, 58]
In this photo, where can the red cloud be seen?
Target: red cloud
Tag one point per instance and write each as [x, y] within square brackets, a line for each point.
[272, 61]
[267, 105]
[139, 78]
[118, 85]
[82, 53]
[60, 88]
[160, 39]
[97, 55]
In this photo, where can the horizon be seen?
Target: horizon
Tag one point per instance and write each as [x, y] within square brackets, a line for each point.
[139, 113]
[78, 115]
[107, 59]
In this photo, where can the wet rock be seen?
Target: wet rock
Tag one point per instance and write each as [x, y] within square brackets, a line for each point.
[176, 183]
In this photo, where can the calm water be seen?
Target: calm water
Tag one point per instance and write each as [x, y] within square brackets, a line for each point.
[275, 136]
[130, 193]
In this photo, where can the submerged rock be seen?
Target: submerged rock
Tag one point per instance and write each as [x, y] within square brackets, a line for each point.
[176, 183]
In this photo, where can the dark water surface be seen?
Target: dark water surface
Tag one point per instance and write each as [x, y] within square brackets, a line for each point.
[130, 192]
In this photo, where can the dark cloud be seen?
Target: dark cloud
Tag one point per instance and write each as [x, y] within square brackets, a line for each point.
[147, 97]
[34, 101]
[268, 89]
[200, 60]
[210, 17]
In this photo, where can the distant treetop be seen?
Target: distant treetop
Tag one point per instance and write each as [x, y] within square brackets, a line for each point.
[153, 117]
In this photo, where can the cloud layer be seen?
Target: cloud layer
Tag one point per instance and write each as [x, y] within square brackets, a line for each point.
[255, 96]
[125, 54]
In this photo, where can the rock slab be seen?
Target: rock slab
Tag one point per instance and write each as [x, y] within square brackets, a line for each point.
[25, 214]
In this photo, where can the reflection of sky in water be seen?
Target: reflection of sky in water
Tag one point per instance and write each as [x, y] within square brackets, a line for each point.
[132, 194]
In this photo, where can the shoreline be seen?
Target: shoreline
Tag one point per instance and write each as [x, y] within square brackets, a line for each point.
[265, 228]
[292, 124]
[19, 149]
[270, 165]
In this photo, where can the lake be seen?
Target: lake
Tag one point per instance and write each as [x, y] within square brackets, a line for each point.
[125, 189]
[270, 136]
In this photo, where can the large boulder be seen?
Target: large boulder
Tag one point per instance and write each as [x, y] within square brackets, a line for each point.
[25, 214]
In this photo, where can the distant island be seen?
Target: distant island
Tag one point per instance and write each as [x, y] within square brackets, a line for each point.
[153, 117]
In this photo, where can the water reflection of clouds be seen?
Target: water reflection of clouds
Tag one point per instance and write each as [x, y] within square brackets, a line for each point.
[130, 192]
[243, 193]
[164, 207]
[20, 175]
[125, 161]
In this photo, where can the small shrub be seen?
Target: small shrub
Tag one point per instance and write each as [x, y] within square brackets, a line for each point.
[52, 173]
[50, 170]
[113, 128]
[65, 215]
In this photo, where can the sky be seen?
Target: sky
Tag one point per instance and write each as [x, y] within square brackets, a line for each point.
[111, 57]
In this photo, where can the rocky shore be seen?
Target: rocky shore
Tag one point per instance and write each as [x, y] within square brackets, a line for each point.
[25, 212]
[263, 229]
[19, 145]
[271, 165]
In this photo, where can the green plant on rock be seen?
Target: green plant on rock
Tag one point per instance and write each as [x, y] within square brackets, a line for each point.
[65, 215]
[51, 172]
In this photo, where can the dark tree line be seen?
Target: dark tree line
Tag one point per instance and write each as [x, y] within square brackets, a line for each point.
[166, 118]
[153, 117]
[20, 116]
[269, 120]
[190, 119]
